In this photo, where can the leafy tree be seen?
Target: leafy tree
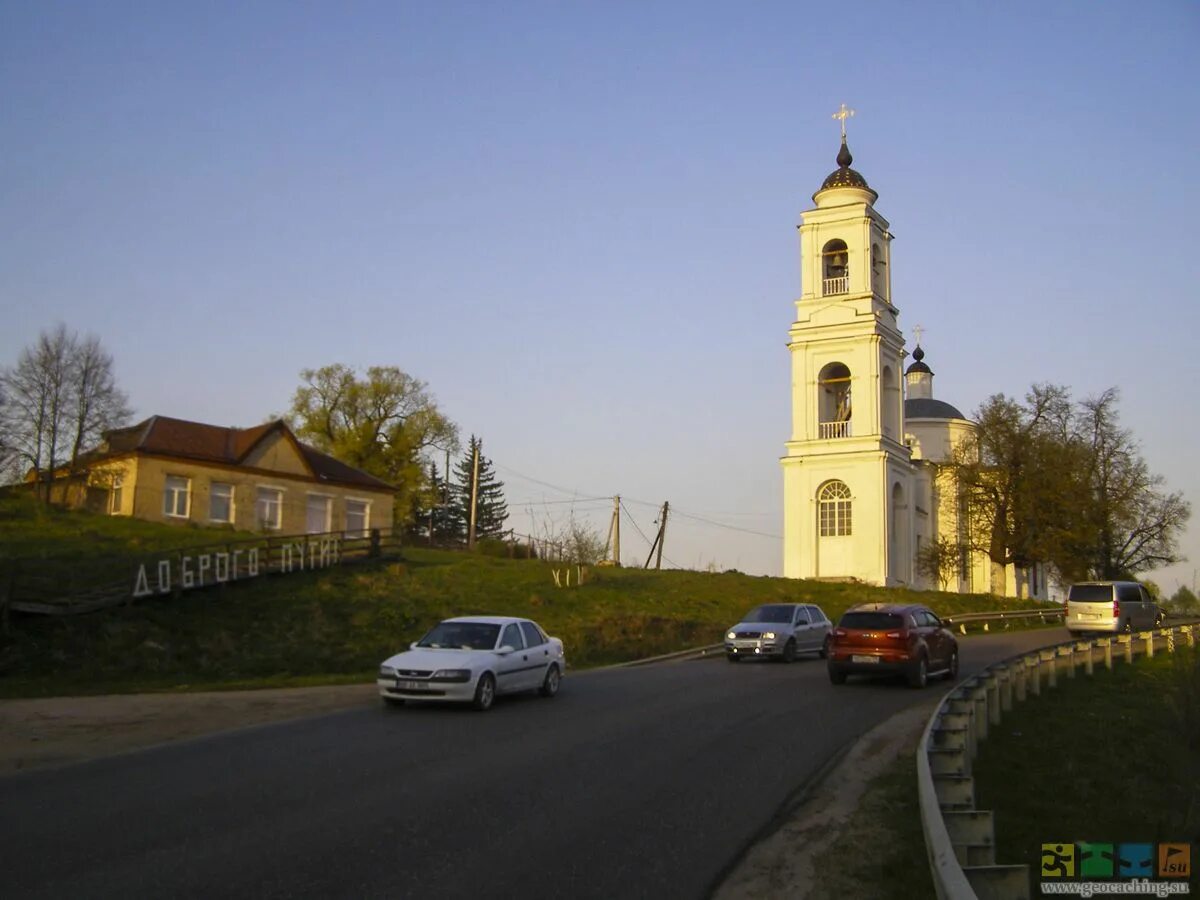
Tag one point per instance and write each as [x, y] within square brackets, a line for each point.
[938, 560]
[1015, 476]
[1053, 481]
[385, 423]
[1184, 601]
[57, 400]
[1130, 524]
[491, 510]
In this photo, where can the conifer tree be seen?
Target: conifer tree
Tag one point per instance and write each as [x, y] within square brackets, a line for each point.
[491, 510]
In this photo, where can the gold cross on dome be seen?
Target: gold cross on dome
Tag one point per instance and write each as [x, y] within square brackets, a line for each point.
[843, 114]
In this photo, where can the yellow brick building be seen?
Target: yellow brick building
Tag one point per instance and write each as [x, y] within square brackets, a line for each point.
[253, 479]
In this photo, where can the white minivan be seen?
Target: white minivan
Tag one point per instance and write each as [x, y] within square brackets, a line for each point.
[1111, 606]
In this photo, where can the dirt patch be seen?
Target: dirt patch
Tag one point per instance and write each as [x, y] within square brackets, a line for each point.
[785, 864]
[57, 731]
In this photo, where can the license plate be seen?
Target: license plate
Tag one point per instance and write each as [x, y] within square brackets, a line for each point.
[864, 659]
[412, 686]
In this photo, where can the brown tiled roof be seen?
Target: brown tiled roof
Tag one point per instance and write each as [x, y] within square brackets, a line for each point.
[164, 436]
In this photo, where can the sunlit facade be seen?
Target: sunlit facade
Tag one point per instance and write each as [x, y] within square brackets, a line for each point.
[864, 486]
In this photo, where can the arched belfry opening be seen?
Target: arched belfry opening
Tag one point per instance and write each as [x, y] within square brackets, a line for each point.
[835, 257]
[833, 400]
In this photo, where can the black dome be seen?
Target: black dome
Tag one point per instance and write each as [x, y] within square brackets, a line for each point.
[927, 408]
[919, 365]
[844, 176]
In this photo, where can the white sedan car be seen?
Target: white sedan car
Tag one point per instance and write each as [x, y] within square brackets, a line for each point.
[471, 660]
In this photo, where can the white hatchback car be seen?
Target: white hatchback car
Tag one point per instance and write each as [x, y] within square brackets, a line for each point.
[471, 660]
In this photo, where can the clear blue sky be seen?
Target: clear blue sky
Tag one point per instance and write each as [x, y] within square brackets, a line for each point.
[576, 221]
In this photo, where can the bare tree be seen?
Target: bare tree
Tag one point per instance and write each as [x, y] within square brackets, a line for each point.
[98, 404]
[60, 394]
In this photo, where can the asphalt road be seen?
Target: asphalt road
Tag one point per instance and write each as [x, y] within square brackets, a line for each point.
[641, 782]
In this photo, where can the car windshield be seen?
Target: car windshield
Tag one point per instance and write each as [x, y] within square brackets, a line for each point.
[870, 621]
[774, 612]
[461, 636]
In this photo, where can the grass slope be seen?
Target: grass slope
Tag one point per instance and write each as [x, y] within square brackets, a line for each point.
[1111, 759]
[339, 624]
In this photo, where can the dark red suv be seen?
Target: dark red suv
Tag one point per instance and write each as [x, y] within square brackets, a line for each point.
[892, 639]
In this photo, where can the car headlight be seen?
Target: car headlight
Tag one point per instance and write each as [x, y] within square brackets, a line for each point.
[451, 675]
[731, 635]
[387, 672]
[769, 635]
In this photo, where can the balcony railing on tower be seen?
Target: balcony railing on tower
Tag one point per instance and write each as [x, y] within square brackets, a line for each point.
[835, 430]
[838, 285]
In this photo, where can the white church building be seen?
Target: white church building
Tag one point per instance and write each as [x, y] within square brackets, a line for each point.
[864, 482]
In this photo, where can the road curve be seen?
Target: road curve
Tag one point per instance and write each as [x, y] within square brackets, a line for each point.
[644, 782]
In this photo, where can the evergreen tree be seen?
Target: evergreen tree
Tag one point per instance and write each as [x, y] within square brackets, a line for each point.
[437, 515]
[491, 510]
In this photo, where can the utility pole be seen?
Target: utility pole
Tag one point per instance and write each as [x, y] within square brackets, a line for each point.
[660, 538]
[474, 495]
[614, 532]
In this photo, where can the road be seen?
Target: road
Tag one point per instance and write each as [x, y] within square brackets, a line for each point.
[639, 782]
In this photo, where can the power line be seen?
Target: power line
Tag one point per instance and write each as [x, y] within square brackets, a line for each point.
[777, 537]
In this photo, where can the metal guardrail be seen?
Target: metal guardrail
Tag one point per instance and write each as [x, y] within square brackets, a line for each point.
[959, 839]
[694, 653]
[1004, 615]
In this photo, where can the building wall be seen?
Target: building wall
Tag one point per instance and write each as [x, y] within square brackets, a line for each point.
[144, 479]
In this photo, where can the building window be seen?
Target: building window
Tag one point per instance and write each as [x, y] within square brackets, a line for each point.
[220, 502]
[358, 518]
[317, 515]
[176, 493]
[115, 496]
[268, 508]
[835, 508]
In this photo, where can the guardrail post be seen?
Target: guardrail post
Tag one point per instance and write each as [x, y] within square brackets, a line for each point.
[1106, 643]
[1006, 676]
[980, 701]
[1049, 659]
[1035, 682]
[1022, 679]
[992, 686]
[1189, 634]
[1149, 636]
[1068, 653]
[1170, 633]
[1089, 652]
[1127, 641]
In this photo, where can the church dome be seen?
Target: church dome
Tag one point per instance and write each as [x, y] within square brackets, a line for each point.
[928, 408]
[844, 176]
[919, 364]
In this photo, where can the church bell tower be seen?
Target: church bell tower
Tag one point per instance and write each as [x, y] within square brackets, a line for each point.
[847, 473]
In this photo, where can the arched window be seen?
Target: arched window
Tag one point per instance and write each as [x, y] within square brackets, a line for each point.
[833, 400]
[836, 268]
[833, 503]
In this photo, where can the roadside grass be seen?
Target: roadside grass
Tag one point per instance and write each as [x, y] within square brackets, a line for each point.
[1111, 759]
[880, 852]
[338, 624]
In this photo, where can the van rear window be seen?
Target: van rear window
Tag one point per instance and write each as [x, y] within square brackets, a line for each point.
[1090, 593]
[871, 621]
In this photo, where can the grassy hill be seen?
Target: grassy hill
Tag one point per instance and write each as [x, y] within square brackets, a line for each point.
[338, 624]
